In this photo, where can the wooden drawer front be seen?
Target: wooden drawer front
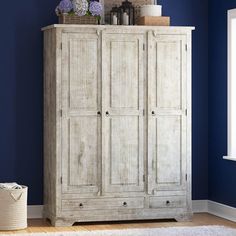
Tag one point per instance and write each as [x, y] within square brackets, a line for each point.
[102, 204]
[167, 202]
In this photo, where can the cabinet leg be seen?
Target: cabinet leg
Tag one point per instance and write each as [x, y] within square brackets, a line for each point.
[184, 217]
[61, 222]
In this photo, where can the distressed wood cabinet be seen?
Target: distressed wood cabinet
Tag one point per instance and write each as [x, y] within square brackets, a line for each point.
[117, 123]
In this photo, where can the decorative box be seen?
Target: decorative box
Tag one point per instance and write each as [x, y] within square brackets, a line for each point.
[151, 10]
[154, 20]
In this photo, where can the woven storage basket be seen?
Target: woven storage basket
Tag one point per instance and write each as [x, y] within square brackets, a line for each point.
[73, 19]
[13, 209]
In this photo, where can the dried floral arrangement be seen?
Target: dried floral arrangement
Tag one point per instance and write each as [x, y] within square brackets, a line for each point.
[80, 8]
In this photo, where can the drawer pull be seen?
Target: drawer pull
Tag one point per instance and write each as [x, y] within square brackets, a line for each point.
[167, 203]
[81, 205]
[125, 204]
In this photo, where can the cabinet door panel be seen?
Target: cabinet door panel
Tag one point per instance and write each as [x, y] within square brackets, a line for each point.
[124, 150]
[83, 150]
[167, 112]
[168, 169]
[123, 140]
[83, 65]
[81, 126]
[124, 74]
[168, 76]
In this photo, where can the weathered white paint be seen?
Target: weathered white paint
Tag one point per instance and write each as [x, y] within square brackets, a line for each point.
[199, 206]
[117, 123]
[167, 117]
[122, 70]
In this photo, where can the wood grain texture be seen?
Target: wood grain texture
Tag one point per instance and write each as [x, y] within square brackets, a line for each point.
[167, 103]
[117, 123]
[50, 116]
[81, 124]
[123, 155]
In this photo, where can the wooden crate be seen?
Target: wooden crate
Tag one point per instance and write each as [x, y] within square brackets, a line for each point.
[154, 20]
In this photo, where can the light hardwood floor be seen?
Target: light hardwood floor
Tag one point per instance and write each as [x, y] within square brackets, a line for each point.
[39, 225]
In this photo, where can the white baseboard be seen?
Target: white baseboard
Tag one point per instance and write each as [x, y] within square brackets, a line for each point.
[35, 212]
[222, 210]
[199, 206]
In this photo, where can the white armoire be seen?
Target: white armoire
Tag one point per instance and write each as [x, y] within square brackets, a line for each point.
[117, 123]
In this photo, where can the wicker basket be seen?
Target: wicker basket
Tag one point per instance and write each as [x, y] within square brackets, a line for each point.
[13, 209]
[73, 19]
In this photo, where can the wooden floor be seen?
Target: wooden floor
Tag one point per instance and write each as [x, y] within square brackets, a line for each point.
[39, 225]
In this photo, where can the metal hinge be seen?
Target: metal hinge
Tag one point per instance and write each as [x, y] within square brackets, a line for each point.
[186, 47]
[61, 46]
[186, 177]
[144, 178]
[186, 112]
[61, 113]
[143, 112]
[61, 180]
[143, 47]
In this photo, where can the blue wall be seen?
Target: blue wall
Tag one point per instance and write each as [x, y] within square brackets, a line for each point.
[222, 173]
[21, 123]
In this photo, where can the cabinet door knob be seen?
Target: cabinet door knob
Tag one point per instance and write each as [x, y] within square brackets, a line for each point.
[107, 113]
[125, 204]
[167, 203]
[99, 113]
[153, 113]
[81, 205]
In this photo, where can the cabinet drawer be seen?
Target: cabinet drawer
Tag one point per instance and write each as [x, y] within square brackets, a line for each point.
[102, 204]
[167, 202]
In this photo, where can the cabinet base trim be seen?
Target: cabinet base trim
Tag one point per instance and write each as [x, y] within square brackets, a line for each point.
[199, 206]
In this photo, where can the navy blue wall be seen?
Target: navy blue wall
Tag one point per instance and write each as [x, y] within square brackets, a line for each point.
[21, 100]
[21, 91]
[222, 173]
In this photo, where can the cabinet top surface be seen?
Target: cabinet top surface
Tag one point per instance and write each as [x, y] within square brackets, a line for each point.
[120, 27]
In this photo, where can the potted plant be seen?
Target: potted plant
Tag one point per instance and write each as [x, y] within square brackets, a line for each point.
[79, 11]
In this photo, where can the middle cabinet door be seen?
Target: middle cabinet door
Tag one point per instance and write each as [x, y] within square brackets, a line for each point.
[123, 119]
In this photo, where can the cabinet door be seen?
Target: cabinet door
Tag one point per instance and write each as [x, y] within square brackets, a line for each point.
[166, 112]
[81, 124]
[123, 140]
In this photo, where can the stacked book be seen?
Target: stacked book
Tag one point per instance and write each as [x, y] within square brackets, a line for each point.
[152, 15]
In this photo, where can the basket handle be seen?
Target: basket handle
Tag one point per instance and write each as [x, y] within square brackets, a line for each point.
[16, 198]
